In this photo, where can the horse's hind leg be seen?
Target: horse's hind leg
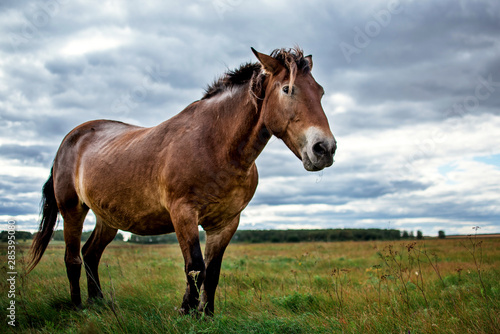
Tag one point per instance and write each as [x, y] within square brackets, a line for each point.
[73, 226]
[92, 252]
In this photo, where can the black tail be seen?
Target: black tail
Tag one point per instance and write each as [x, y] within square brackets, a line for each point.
[49, 213]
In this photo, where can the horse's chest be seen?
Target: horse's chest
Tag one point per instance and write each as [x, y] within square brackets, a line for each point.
[223, 206]
[226, 208]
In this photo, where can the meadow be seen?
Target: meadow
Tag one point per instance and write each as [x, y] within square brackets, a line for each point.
[429, 286]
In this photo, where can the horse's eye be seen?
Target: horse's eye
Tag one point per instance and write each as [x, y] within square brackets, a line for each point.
[286, 89]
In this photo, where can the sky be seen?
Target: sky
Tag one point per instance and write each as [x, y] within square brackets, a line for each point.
[412, 97]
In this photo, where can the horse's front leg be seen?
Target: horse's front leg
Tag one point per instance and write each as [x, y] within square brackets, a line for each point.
[186, 230]
[217, 241]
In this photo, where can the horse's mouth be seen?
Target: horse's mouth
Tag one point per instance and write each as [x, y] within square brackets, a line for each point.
[316, 166]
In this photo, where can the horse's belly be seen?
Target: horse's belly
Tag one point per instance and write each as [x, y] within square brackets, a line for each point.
[152, 228]
[135, 221]
[136, 214]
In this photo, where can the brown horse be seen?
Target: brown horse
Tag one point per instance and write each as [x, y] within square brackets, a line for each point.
[197, 168]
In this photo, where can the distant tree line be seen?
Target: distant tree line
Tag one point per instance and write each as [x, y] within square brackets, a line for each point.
[58, 235]
[259, 236]
[256, 236]
[20, 235]
[158, 239]
[277, 236]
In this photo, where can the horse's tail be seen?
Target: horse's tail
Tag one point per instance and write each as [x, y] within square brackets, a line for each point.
[49, 213]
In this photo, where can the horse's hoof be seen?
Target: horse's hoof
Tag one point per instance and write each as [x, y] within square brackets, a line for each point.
[77, 307]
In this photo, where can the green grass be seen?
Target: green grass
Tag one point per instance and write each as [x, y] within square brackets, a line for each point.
[433, 286]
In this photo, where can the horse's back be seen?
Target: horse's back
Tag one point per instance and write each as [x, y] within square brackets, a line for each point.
[94, 130]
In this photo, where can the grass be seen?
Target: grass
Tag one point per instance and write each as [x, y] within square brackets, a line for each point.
[433, 286]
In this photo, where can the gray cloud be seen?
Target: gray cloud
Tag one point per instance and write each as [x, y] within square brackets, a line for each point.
[33, 154]
[17, 195]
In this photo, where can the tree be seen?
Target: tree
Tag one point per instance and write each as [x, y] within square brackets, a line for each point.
[4, 235]
[420, 236]
[441, 235]
[118, 237]
[405, 235]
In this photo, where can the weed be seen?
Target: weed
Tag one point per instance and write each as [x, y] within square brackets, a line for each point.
[398, 268]
[473, 246]
[112, 295]
[434, 264]
[339, 284]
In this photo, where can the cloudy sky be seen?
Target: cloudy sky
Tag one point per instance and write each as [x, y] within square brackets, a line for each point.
[412, 96]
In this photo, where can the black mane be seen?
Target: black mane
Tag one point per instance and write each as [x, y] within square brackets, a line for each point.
[232, 78]
[245, 72]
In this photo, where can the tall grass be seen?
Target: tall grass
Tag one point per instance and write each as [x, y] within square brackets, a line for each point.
[433, 286]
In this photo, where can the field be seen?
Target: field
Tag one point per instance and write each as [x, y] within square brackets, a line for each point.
[429, 286]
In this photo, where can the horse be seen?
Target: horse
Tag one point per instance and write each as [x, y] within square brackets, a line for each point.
[194, 169]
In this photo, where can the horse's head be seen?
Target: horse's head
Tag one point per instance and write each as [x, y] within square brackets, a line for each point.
[292, 108]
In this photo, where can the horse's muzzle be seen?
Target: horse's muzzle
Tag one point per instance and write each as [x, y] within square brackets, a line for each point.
[318, 152]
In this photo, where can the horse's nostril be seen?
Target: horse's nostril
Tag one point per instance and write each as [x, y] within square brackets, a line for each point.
[334, 148]
[320, 149]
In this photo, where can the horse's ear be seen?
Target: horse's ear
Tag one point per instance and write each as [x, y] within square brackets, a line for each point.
[310, 61]
[269, 63]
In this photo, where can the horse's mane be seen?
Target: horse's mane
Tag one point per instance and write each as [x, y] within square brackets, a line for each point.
[291, 59]
[232, 78]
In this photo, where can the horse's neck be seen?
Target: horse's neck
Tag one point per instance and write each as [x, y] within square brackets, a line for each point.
[238, 126]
